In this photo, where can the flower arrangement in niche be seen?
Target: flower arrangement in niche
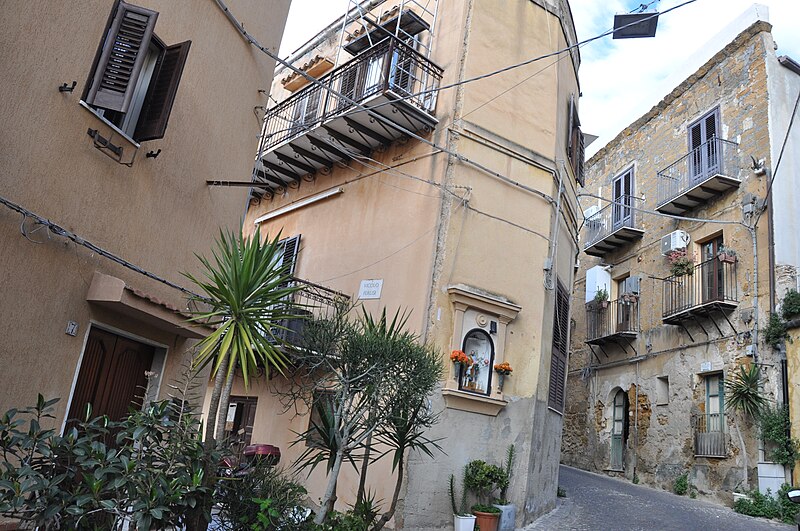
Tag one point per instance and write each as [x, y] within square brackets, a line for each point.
[458, 356]
[503, 368]
[680, 262]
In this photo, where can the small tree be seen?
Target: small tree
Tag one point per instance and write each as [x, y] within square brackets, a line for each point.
[743, 393]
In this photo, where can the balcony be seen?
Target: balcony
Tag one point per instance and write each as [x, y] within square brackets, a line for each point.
[709, 435]
[611, 321]
[711, 286]
[311, 301]
[315, 128]
[704, 173]
[613, 227]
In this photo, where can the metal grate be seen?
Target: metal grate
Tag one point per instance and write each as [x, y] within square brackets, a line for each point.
[709, 435]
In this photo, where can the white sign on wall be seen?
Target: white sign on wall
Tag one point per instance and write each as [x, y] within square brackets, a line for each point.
[370, 289]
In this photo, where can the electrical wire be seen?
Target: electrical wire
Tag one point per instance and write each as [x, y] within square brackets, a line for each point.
[64, 233]
[662, 214]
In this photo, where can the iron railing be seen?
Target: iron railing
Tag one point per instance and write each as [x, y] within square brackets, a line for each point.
[616, 215]
[311, 301]
[610, 318]
[709, 435]
[389, 66]
[714, 157]
[712, 281]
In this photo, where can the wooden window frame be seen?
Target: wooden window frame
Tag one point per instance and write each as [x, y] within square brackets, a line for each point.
[153, 90]
[576, 145]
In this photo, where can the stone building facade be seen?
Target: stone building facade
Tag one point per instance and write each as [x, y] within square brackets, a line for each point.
[645, 392]
[475, 235]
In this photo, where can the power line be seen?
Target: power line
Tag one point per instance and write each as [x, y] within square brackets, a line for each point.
[61, 231]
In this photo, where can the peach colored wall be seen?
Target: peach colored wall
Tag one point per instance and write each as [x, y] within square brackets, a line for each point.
[156, 214]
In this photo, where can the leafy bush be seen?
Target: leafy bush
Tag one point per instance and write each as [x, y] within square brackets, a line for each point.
[681, 484]
[263, 498]
[481, 508]
[482, 479]
[774, 423]
[775, 332]
[147, 469]
[791, 304]
[767, 506]
[560, 492]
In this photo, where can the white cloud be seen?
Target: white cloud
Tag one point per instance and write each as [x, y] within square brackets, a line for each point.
[622, 80]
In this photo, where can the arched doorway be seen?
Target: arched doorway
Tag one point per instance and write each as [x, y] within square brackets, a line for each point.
[619, 430]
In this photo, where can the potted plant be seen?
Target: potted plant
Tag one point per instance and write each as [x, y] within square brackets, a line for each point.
[601, 298]
[482, 479]
[459, 358]
[462, 520]
[680, 262]
[508, 511]
[503, 370]
[630, 297]
[726, 254]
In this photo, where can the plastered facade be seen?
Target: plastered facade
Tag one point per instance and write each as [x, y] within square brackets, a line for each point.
[458, 246]
[155, 214]
[665, 369]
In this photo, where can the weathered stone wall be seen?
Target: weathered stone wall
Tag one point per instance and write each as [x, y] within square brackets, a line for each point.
[661, 437]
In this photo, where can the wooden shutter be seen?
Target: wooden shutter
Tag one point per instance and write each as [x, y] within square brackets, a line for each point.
[161, 92]
[558, 362]
[291, 246]
[124, 52]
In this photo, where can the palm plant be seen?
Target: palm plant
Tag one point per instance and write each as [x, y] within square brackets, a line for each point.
[247, 296]
[743, 391]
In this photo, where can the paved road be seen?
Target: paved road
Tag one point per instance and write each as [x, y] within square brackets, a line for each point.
[596, 502]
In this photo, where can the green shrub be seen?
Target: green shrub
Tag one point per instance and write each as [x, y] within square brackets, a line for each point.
[774, 424]
[264, 498]
[681, 484]
[147, 468]
[482, 479]
[560, 492]
[790, 307]
[775, 332]
[767, 506]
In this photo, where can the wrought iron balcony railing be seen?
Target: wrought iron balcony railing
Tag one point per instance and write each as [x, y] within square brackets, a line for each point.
[708, 170]
[708, 285]
[311, 301]
[389, 67]
[614, 226]
[709, 435]
[612, 319]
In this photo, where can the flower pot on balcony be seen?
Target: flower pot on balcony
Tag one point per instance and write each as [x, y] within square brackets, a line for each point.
[727, 258]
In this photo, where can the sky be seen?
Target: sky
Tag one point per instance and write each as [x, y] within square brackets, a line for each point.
[620, 79]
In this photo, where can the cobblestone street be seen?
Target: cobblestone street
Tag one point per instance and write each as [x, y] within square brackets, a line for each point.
[596, 502]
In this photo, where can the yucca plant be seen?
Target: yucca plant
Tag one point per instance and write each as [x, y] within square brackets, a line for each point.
[247, 294]
[743, 391]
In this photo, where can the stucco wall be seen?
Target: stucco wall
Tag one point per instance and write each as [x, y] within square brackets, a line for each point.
[155, 214]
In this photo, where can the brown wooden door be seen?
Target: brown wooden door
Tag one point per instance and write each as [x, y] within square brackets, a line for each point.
[112, 375]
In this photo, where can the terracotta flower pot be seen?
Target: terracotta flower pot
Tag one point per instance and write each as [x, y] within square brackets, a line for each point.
[486, 521]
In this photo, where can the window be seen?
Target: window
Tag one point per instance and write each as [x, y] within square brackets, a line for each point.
[622, 211]
[575, 142]
[710, 425]
[321, 419]
[704, 159]
[713, 270]
[135, 75]
[619, 430]
[288, 257]
[241, 417]
[558, 360]
[477, 376]
[662, 390]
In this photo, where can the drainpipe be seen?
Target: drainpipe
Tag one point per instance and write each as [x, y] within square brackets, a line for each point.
[636, 425]
[549, 264]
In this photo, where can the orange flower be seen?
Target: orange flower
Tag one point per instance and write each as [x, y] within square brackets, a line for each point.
[458, 356]
[503, 368]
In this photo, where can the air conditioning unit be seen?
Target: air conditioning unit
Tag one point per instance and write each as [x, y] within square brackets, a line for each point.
[673, 241]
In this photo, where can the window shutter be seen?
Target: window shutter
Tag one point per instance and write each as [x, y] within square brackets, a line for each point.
[124, 52]
[161, 93]
[579, 176]
[570, 126]
[291, 246]
[558, 362]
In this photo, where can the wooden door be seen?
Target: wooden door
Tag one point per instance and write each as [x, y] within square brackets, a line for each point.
[112, 376]
[619, 421]
[712, 271]
[622, 213]
[704, 154]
